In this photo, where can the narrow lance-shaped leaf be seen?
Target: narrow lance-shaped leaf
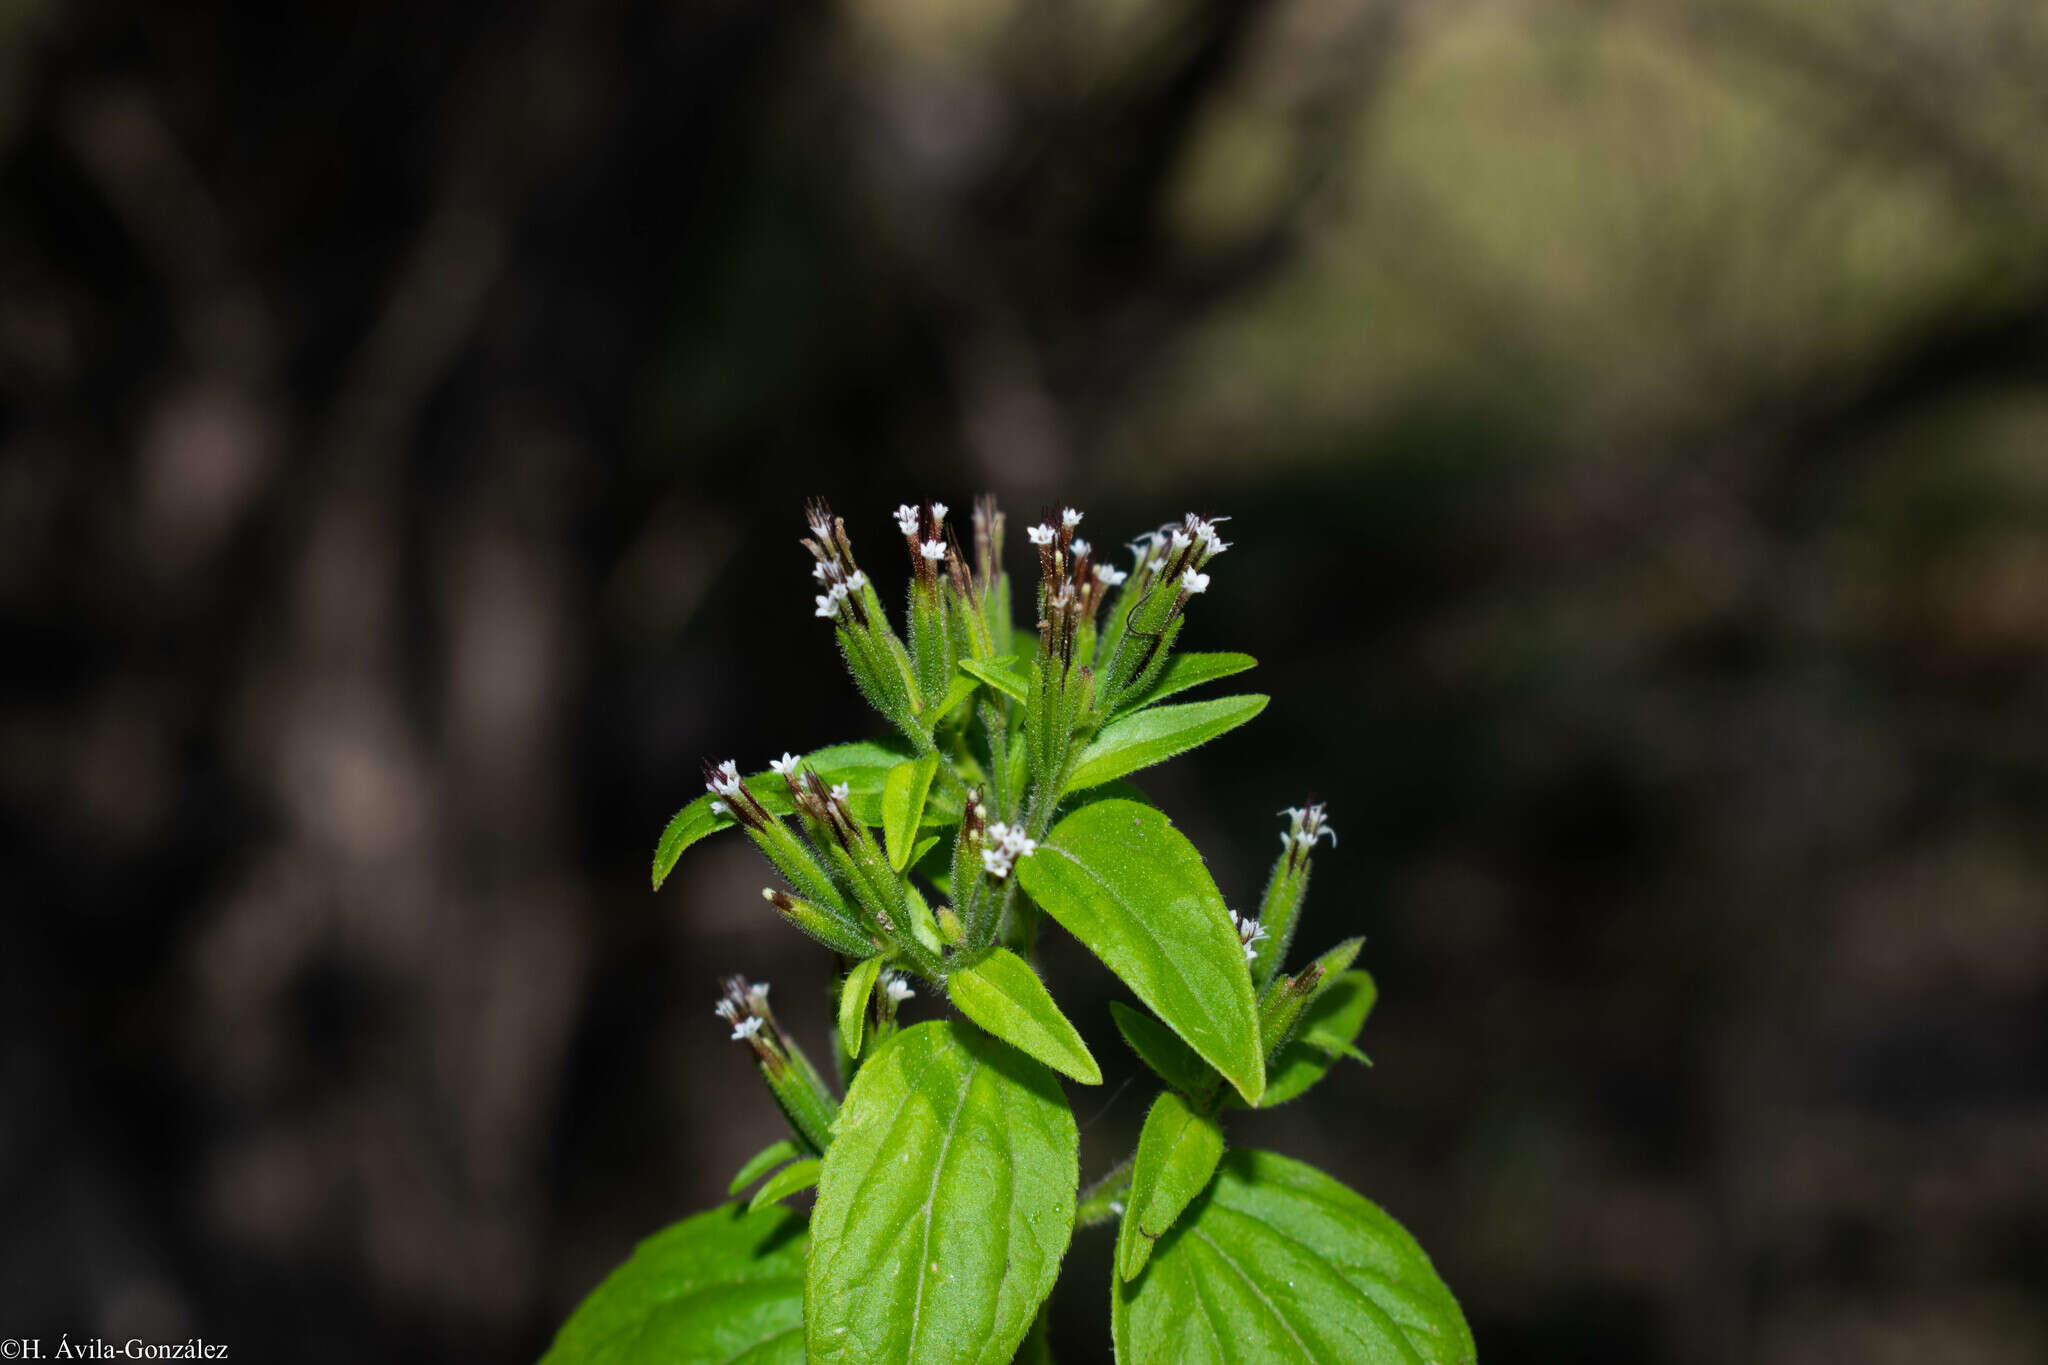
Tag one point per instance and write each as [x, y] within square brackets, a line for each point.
[946, 1204]
[1003, 995]
[1184, 671]
[1002, 674]
[797, 1175]
[726, 1285]
[762, 1162]
[1121, 879]
[1142, 738]
[853, 1003]
[1177, 1153]
[903, 796]
[1277, 1261]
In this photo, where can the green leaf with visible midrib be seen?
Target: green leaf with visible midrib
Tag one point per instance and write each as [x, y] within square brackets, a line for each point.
[853, 1003]
[1177, 1153]
[1184, 671]
[1120, 878]
[1157, 733]
[1003, 995]
[1277, 1261]
[903, 797]
[946, 1204]
[723, 1286]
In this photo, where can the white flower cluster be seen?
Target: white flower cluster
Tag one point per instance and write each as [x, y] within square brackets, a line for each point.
[1006, 844]
[834, 597]
[725, 780]
[1249, 933]
[906, 519]
[1306, 825]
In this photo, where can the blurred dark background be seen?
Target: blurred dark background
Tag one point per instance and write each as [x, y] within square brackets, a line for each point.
[1635, 420]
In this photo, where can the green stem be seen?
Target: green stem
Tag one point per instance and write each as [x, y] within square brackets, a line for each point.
[1102, 1202]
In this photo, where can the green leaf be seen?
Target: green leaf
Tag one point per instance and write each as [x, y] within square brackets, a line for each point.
[853, 1003]
[726, 1285]
[1177, 1153]
[1338, 1012]
[1142, 738]
[1003, 995]
[903, 794]
[1183, 671]
[797, 1175]
[1157, 1047]
[1002, 674]
[946, 1204]
[1280, 1262]
[957, 691]
[1120, 878]
[762, 1162]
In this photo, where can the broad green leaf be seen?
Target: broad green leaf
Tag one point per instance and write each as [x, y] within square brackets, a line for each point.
[946, 1204]
[1003, 995]
[1337, 1014]
[762, 1162]
[1000, 673]
[1177, 1153]
[724, 1286]
[696, 820]
[1161, 1049]
[1183, 671]
[903, 794]
[853, 1003]
[1277, 1261]
[1142, 738]
[797, 1175]
[1120, 878]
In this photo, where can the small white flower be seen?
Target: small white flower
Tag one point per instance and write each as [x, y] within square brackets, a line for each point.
[856, 580]
[1069, 518]
[726, 1010]
[906, 519]
[1249, 933]
[1204, 533]
[995, 862]
[1194, 582]
[1108, 577]
[1179, 540]
[746, 1028]
[896, 987]
[1082, 547]
[1306, 825]
[828, 604]
[1040, 534]
[1144, 547]
[939, 510]
[786, 765]
[726, 780]
[757, 997]
[720, 808]
[818, 570]
[839, 791]
[933, 550]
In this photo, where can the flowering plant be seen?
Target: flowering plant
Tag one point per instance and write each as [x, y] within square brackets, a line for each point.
[947, 1176]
